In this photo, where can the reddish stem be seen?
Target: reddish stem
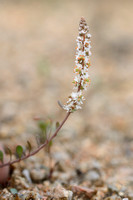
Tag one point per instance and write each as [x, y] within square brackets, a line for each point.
[40, 147]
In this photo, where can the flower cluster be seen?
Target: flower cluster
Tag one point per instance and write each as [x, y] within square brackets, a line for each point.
[81, 69]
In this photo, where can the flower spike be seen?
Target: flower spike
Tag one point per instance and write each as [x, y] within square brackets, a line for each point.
[81, 79]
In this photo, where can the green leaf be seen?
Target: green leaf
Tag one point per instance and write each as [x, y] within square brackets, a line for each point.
[19, 151]
[42, 125]
[29, 146]
[57, 124]
[13, 191]
[50, 143]
[9, 152]
[45, 128]
[1, 156]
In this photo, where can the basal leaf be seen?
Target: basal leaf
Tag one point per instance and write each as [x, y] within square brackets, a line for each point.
[1, 156]
[9, 152]
[57, 124]
[42, 125]
[50, 143]
[29, 146]
[19, 151]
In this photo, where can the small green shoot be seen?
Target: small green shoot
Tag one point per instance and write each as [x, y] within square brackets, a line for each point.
[19, 151]
[1, 156]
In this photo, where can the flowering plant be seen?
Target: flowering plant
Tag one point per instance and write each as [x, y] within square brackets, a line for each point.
[75, 99]
[81, 69]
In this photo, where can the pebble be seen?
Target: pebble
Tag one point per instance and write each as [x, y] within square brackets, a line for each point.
[6, 195]
[79, 190]
[9, 111]
[93, 176]
[113, 197]
[60, 156]
[60, 193]
[18, 181]
[22, 195]
[26, 174]
[113, 188]
[38, 175]
[30, 195]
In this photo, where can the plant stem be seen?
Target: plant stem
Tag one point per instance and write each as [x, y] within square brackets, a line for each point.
[40, 147]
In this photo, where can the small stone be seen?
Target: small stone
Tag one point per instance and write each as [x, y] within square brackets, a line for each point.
[18, 181]
[61, 167]
[60, 193]
[113, 197]
[130, 195]
[93, 176]
[9, 111]
[38, 175]
[58, 156]
[26, 174]
[6, 195]
[25, 194]
[96, 164]
[87, 192]
[113, 188]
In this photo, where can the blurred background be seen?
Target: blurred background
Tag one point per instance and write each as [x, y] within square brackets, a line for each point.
[37, 54]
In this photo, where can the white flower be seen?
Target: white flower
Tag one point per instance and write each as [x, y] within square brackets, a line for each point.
[81, 69]
[86, 76]
[77, 107]
[76, 78]
[88, 36]
[74, 95]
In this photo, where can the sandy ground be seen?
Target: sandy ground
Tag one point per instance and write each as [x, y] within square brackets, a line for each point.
[37, 53]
